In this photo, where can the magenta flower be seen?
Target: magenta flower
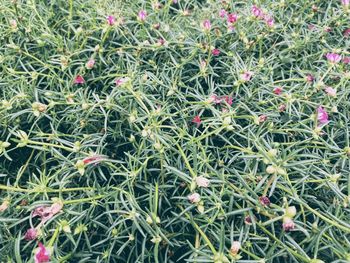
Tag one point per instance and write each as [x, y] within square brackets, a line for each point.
[346, 33]
[333, 57]
[331, 92]
[345, 3]
[322, 115]
[90, 64]
[206, 25]
[142, 15]
[31, 234]
[278, 90]
[264, 200]
[42, 255]
[215, 52]
[257, 12]
[222, 13]
[346, 60]
[246, 76]
[288, 224]
[197, 120]
[110, 20]
[232, 18]
[79, 80]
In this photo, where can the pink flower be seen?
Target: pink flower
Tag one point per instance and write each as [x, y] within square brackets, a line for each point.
[197, 120]
[95, 159]
[13, 24]
[161, 42]
[42, 254]
[346, 60]
[222, 13]
[202, 181]
[257, 12]
[235, 247]
[79, 80]
[121, 81]
[31, 234]
[4, 205]
[269, 21]
[322, 115]
[215, 52]
[278, 90]
[142, 15]
[333, 57]
[194, 198]
[90, 64]
[232, 18]
[346, 33]
[246, 76]
[282, 107]
[47, 212]
[230, 28]
[345, 3]
[288, 224]
[110, 20]
[206, 25]
[262, 118]
[228, 99]
[331, 92]
[309, 78]
[214, 99]
[264, 200]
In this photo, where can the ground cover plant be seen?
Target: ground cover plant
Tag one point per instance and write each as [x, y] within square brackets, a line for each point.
[174, 131]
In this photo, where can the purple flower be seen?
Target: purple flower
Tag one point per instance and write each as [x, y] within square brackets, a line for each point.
[322, 115]
[333, 57]
[222, 13]
[257, 12]
[345, 3]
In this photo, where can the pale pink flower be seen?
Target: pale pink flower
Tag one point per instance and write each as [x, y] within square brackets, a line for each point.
[262, 118]
[222, 13]
[4, 205]
[246, 76]
[31, 234]
[257, 12]
[322, 115]
[13, 24]
[346, 33]
[95, 159]
[110, 20]
[331, 92]
[206, 25]
[235, 247]
[282, 107]
[269, 21]
[232, 18]
[333, 57]
[202, 181]
[142, 15]
[194, 198]
[309, 78]
[47, 212]
[215, 99]
[345, 3]
[121, 81]
[288, 224]
[90, 64]
[42, 254]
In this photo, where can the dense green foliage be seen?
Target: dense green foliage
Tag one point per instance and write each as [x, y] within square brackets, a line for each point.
[121, 130]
